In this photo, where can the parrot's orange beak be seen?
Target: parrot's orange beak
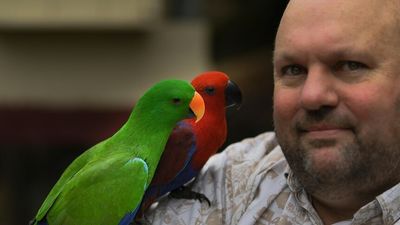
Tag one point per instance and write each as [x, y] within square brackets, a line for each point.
[197, 106]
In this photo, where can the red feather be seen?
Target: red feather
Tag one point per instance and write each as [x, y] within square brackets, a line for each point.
[211, 129]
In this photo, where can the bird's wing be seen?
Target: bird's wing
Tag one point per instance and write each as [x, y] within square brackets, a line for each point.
[67, 175]
[103, 192]
[177, 154]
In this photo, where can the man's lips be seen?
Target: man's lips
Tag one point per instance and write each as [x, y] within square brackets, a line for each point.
[323, 131]
[322, 128]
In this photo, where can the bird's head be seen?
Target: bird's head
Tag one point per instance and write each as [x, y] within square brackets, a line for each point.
[216, 88]
[170, 101]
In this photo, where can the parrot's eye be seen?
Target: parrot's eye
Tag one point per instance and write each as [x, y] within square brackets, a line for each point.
[176, 101]
[210, 90]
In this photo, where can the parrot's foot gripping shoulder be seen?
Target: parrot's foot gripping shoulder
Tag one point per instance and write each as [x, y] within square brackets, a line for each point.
[186, 193]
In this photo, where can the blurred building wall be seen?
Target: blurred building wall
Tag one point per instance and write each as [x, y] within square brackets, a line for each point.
[97, 68]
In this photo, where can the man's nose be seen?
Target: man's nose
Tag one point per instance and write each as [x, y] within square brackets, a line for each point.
[319, 90]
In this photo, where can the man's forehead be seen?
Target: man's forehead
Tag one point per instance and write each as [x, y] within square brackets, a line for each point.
[328, 54]
[356, 10]
[333, 22]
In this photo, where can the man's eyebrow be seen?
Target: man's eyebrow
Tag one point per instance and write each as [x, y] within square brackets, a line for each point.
[282, 56]
[275, 55]
[343, 52]
[340, 52]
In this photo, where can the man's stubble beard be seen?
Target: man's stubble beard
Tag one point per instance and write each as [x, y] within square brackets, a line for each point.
[367, 164]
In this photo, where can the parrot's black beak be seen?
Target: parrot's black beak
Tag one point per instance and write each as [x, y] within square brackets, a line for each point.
[233, 95]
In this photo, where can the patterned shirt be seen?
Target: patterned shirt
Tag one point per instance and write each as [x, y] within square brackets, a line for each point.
[250, 183]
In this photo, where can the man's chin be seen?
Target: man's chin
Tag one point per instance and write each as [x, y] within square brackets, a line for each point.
[327, 161]
[324, 158]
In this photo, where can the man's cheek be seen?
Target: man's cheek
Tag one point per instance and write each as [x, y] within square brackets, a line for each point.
[283, 111]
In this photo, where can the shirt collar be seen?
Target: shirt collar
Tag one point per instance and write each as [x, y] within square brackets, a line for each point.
[389, 202]
[292, 181]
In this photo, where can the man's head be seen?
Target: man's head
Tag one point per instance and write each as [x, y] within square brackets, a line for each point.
[337, 94]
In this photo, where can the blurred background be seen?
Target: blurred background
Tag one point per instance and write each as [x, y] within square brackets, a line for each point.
[71, 71]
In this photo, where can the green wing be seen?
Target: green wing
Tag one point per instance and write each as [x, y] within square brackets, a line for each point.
[70, 172]
[101, 193]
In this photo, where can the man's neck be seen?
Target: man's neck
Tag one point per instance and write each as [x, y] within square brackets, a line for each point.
[335, 210]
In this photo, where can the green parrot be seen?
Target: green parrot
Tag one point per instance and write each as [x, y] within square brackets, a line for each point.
[106, 183]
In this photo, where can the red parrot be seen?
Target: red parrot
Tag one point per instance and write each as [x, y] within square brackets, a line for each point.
[195, 142]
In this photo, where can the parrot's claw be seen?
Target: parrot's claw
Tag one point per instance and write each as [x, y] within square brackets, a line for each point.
[201, 197]
[186, 193]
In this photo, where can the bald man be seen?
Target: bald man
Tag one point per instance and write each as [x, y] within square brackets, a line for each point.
[334, 157]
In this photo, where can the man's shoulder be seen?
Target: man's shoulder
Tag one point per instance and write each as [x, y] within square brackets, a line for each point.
[231, 180]
[235, 177]
[253, 148]
[242, 166]
[248, 153]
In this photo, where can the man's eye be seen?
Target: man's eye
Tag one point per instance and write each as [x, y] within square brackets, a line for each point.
[350, 66]
[293, 70]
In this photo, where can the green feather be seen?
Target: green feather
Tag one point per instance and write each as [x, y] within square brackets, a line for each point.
[108, 181]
